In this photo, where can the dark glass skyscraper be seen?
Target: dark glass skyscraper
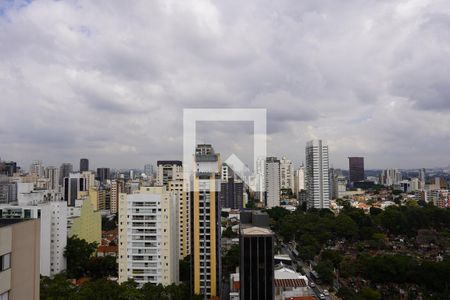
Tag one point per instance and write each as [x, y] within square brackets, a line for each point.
[64, 171]
[84, 164]
[231, 193]
[256, 270]
[103, 174]
[356, 169]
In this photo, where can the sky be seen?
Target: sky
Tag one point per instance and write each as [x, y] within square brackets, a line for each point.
[108, 80]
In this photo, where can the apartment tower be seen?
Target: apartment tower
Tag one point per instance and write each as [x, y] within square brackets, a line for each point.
[316, 175]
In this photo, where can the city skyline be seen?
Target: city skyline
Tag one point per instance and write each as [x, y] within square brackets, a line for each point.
[374, 86]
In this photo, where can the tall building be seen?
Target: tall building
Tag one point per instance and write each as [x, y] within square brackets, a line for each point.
[299, 180]
[415, 184]
[286, 174]
[73, 185]
[316, 175]
[390, 177]
[19, 259]
[37, 168]
[168, 170]
[179, 191]
[232, 193]
[356, 169]
[8, 168]
[117, 187]
[148, 235]
[8, 190]
[53, 231]
[103, 174]
[64, 171]
[100, 197]
[84, 165]
[440, 198]
[257, 250]
[52, 173]
[148, 170]
[272, 184]
[338, 183]
[423, 177]
[206, 227]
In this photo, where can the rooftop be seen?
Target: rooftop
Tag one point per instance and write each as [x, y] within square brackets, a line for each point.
[9, 222]
[253, 230]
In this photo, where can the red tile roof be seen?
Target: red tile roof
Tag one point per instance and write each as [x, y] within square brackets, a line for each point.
[107, 249]
[290, 283]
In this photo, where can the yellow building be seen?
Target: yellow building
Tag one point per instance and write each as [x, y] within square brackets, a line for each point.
[88, 225]
[178, 189]
[206, 223]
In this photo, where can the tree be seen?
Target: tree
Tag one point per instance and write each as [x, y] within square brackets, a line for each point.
[99, 289]
[57, 288]
[346, 293]
[369, 294]
[346, 227]
[277, 214]
[102, 267]
[231, 259]
[78, 253]
[229, 233]
[332, 255]
[375, 211]
[326, 271]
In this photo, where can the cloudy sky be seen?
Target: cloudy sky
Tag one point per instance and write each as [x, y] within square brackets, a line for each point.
[109, 80]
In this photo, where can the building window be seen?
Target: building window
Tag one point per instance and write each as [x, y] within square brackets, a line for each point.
[27, 214]
[5, 262]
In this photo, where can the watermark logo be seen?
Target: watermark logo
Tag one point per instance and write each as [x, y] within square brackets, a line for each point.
[253, 178]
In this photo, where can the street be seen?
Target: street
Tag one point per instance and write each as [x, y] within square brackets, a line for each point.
[306, 272]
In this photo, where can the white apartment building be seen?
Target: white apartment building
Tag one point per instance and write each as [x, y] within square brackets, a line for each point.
[148, 236]
[316, 175]
[28, 195]
[415, 184]
[299, 180]
[286, 174]
[37, 168]
[52, 173]
[53, 236]
[390, 177]
[272, 185]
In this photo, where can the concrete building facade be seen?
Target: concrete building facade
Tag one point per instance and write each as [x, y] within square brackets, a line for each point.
[19, 259]
[316, 175]
[148, 236]
[272, 184]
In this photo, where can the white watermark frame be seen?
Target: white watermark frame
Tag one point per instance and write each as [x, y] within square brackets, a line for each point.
[256, 115]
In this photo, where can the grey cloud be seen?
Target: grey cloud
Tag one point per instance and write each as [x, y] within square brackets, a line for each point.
[109, 80]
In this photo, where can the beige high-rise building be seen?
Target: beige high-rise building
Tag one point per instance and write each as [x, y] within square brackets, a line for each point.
[183, 206]
[19, 259]
[168, 170]
[148, 235]
[117, 187]
[299, 180]
[286, 174]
